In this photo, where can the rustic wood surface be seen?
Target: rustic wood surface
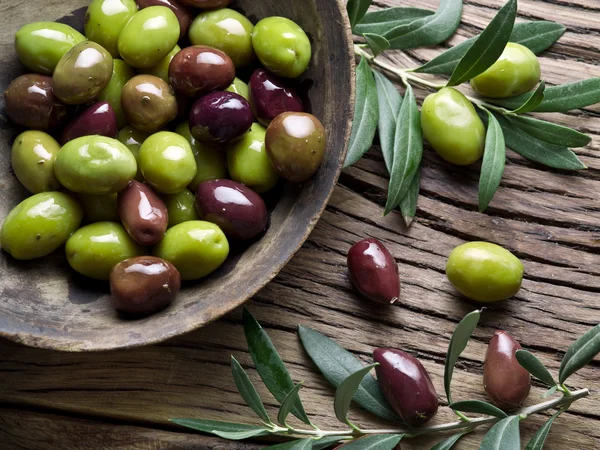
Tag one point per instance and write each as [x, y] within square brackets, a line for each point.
[549, 219]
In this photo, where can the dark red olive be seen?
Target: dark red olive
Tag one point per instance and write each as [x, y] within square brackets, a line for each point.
[506, 382]
[239, 211]
[144, 285]
[30, 102]
[143, 212]
[220, 117]
[374, 271]
[100, 118]
[406, 385]
[207, 4]
[271, 96]
[199, 69]
[183, 13]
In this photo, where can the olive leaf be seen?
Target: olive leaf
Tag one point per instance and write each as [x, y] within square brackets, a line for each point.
[534, 366]
[504, 435]
[408, 206]
[379, 22]
[448, 443]
[345, 393]
[375, 442]
[298, 444]
[248, 391]
[390, 102]
[538, 440]
[357, 9]
[226, 430]
[478, 407]
[551, 132]
[550, 392]
[288, 403]
[581, 352]
[327, 441]
[533, 101]
[377, 43]
[494, 160]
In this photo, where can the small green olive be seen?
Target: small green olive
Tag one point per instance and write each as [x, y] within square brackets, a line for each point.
[105, 19]
[240, 88]
[33, 156]
[133, 140]
[161, 70]
[122, 73]
[181, 207]
[99, 208]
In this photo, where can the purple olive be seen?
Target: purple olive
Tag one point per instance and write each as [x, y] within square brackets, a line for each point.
[406, 385]
[100, 119]
[143, 212]
[220, 117]
[270, 96]
[506, 382]
[239, 211]
[183, 13]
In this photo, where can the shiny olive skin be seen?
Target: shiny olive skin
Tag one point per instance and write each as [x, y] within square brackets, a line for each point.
[227, 30]
[506, 382]
[98, 119]
[161, 70]
[296, 144]
[32, 159]
[29, 101]
[148, 37]
[270, 96]
[248, 162]
[105, 19]
[452, 127]
[144, 285]
[484, 272]
[239, 211]
[95, 165]
[199, 69]
[240, 88]
[167, 162]
[82, 74]
[41, 45]
[122, 73]
[195, 248]
[184, 14]
[99, 208]
[406, 385]
[181, 207]
[149, 103]
[39, 225]
[516, 71]
[206, 4]
[282, 46]
[220, 117]
[374, 271]
[95, 249]
[133, 140]
[143, 213]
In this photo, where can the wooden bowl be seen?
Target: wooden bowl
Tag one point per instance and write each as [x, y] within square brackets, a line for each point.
[45, 304]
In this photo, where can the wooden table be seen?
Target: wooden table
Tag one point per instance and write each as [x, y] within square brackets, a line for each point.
[551, 220]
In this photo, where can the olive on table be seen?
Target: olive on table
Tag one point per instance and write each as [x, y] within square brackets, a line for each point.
[41, 45]
[296, 144]
[484, 272]
[195, 248]
[39, 225]
[181, 207]
[144, 285]
[133, 140]
[270, 97]
[95, 165]
[98, 119]
[122, 73]
[240, 88]
[184, 14]
[99, 208]
[32, 158]
[82, 73]
[143, 213]
[506, 382]
[161, 70]
[95, 249]
[374, 271]
[105, 19]
[29, 101]
[282, 46]
[406, 385]
[452, 127]
[239, 211]
[206, 4]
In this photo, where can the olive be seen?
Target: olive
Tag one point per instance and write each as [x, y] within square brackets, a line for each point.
[181, 207]
[406, 385]
[506, 382]
[183, 13]
[149, 103]
[206, 4]
[161, 70]
[296, 144]
[198, 70]
[32, 158]
[99, 208]
[220, 117]
[374, 271]
[484, 272]
[239, 211]
[97, 119]
[133, 140]
[240, 88]
[122, 73]
[143, 213]
[270, 96]
[105, 19]
[30, 102]
[144, 285]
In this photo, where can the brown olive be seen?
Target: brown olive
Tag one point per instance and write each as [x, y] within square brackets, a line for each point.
[207, 4]
[98, 119]
[183, 13]
[143, 212]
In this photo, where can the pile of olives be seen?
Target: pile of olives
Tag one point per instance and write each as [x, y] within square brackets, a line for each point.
[156, 147]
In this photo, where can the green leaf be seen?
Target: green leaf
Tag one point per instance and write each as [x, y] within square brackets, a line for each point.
[226, 430]
[448, 443]
[366, 114]
[550, 392]
[377, 43]
[288, 403]
[494, 160]
[336, 364]
[390, 102]
[408, 206]
[488, 47]
[269, 365]
[357, 10]
[299, 444]
[581, 352]
[538, 440]
[533, 101]
[505, 435]
[534, 366]
[380, 22]
[248, 391]
[408, 151]
[550, 132]
[345, 393]
[478, 407]
[375, 442]
[328, 441]
[458, 342]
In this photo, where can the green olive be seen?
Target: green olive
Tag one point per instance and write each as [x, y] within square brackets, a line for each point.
[195, 248]
[95, 249]
[181, 207]
[161, 70]
[133, 139]
[105, 19]
[122, 73]
[484, 272]
[452, 127]
[517, 71]
[99, 208]
[40, 224]
[33, 156]
[240, 88]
